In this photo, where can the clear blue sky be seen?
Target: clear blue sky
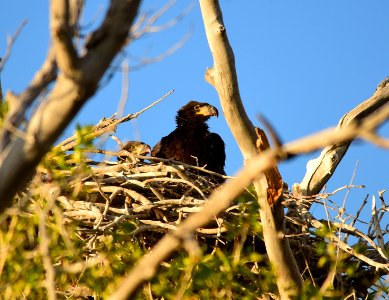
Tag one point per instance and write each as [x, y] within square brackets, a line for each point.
[302, 64]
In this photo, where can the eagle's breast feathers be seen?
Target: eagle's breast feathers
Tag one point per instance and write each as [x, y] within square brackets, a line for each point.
[191, 142]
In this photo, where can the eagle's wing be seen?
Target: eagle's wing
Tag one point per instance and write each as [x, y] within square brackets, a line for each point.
[167, 147]
[156, 152]
[216, 155]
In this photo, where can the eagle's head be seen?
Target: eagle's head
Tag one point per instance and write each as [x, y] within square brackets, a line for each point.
[135, 147]
[195, 113]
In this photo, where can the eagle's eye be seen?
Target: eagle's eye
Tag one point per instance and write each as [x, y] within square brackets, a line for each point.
[197, 107]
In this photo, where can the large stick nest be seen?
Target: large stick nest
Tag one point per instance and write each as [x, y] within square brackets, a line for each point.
[156, 196]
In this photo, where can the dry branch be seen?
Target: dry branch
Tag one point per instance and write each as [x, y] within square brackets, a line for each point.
[320, 169]
[11, 40]
[62, 34]
[107, 125]
[77, 82]
[19, 104]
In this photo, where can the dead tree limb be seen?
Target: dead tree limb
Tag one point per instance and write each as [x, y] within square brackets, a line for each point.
[11, 40]
[18, 104]
[77, 81]
[320, 169]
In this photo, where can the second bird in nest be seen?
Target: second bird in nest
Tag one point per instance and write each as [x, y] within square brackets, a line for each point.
[134, 147]
[191, 142]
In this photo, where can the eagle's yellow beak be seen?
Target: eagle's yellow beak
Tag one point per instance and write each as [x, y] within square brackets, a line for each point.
[207, 110]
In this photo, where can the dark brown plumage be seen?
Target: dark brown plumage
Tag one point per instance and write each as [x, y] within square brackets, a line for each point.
[191, 142]
[135, 147]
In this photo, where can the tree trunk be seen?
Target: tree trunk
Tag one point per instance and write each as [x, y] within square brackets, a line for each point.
[224, 78]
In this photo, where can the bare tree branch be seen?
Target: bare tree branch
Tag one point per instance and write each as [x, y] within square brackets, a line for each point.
[11, 41]
[223, 77]
[62, 34]
[144, 61]
[125, 87]
[320, 169]
[108, 125]
[18, 104]
[147, 23]
[74, 86]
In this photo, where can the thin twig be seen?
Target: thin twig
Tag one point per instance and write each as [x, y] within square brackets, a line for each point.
[108, 126]
[125, 83]
[152, 104]
[11, 40]
[342, 245]
[146, 23]
[357, 216]
[144, 61]
[379, 235]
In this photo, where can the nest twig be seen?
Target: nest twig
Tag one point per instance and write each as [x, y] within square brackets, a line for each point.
[155, 196]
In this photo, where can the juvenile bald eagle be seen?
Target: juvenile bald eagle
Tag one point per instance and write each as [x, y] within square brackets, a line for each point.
[191, 142]
[135, 147]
